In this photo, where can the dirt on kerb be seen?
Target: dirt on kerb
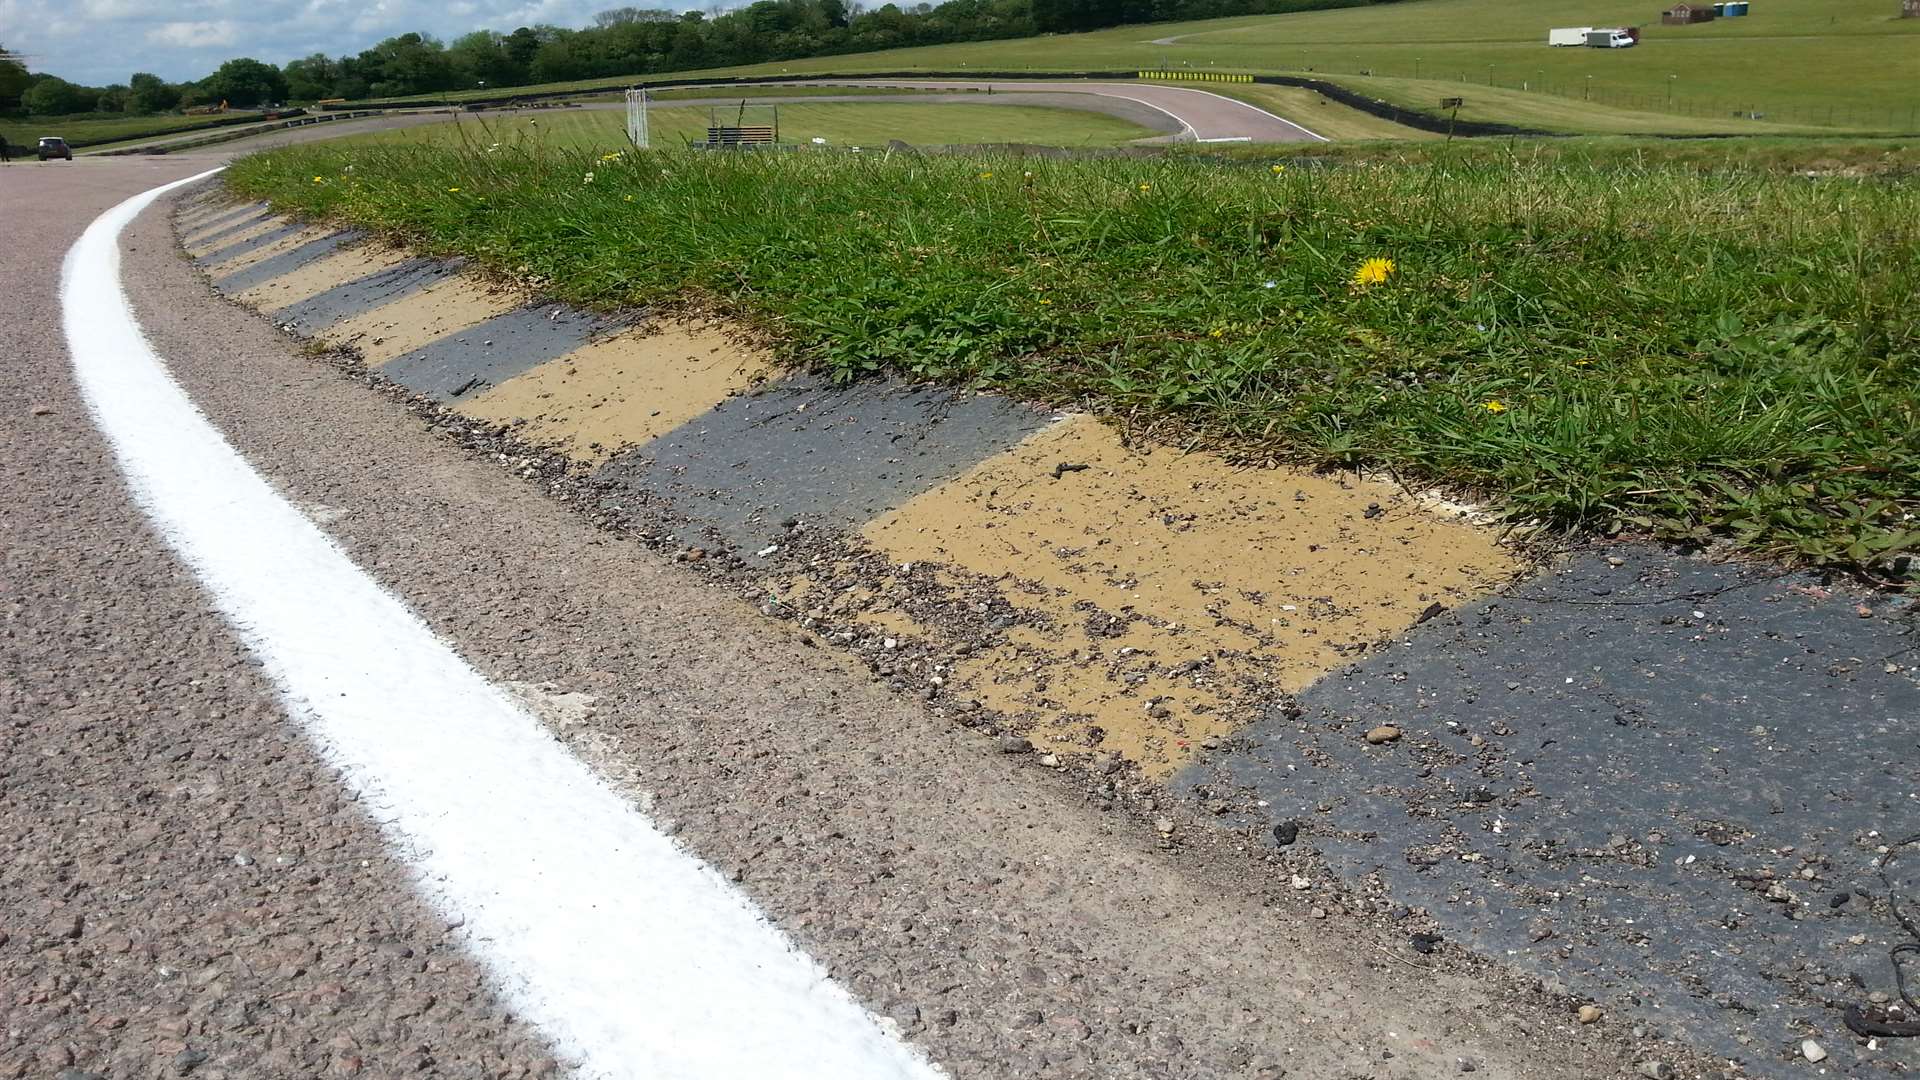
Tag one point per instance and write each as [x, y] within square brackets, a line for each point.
[433, 312]
[306, 282]
[622, 391]
[1165, 596]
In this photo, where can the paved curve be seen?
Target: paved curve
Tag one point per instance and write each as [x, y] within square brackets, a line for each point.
[1136, 112]
[190, 889]
[1202, 114]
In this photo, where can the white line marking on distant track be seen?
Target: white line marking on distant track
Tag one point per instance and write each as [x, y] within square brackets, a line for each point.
[634, 958]
[1247, 105]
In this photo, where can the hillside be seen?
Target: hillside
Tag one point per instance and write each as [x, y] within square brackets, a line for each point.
[1845, 65]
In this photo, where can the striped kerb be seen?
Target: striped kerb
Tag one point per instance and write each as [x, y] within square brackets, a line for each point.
[355, 264]
[219, 239]
[213, 260]
[622, 392]
[492, 351]
[427, 314]
[276, 266]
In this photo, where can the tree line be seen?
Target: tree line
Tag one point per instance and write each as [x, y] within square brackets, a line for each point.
[626, 41]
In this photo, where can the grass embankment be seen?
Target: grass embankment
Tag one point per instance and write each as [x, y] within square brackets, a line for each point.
[1701, 354]
[840, 123]
[93, 129]
[801, 90]
[1831, 65]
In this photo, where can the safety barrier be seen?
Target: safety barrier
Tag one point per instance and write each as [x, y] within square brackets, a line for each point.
[1194, 76]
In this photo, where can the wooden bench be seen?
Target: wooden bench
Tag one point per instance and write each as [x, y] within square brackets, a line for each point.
[759, 135]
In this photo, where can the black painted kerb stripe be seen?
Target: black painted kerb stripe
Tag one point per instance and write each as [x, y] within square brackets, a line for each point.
[491, 352]
[286, 262]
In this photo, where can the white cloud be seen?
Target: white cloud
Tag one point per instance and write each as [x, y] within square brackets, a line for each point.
[194, 35]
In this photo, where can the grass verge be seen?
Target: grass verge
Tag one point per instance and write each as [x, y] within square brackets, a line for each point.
[1727, 355]
[839, 123]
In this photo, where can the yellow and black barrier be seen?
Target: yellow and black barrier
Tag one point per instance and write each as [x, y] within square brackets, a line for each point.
[1195, 76]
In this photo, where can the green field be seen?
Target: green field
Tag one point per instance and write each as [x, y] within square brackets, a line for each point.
[1832, 65]
[839, 123]
[1585, 334]
[93, 129]
[750, 92]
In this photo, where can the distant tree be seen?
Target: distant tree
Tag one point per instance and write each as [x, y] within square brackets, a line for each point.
[481, 57]
[311, 78]
[408, 64]
[521, 46]
[148, 94]
[112, 99]
[13, 80]
[245, 83]
[49, 96]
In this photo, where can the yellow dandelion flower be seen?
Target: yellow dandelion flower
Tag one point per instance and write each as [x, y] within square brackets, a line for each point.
[1587, 362]
[319, 179]
[1046, 301]
[1146, 187]
[1373, 272]
[1215, 332]
[986, 176]
[1494, 406]
[453, 191]
[1279, 169]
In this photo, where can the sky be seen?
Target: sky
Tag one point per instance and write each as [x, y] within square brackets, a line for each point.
[99, 42]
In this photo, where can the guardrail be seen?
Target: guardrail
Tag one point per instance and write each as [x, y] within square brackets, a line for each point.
[248, 133]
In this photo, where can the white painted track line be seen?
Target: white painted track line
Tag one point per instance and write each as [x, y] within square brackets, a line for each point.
[633, 957]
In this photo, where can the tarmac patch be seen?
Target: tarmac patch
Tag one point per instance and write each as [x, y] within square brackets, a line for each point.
[360, 293]
[310, 280]
[285, 245]
[282, 263]
[806, 449]
[270, 231]
[1645, 776]
[436, 309]
[483, 354]
[221, 226]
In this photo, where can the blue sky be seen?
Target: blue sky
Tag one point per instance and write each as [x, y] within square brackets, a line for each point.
[103, 41]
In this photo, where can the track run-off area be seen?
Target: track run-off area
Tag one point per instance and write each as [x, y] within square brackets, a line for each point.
[331, 752]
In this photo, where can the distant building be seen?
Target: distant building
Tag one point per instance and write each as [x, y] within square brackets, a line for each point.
[1687, 14]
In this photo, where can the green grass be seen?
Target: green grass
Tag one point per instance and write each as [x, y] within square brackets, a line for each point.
[749, 92]
[1548, 112]
[1602, 343]
[94, 129]
[840, 123]
[1320, 114]
[1832, 65]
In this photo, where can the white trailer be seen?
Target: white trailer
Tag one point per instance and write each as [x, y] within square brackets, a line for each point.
[1569, 35]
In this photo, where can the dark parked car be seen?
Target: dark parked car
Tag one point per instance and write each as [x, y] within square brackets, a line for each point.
[53, 146]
